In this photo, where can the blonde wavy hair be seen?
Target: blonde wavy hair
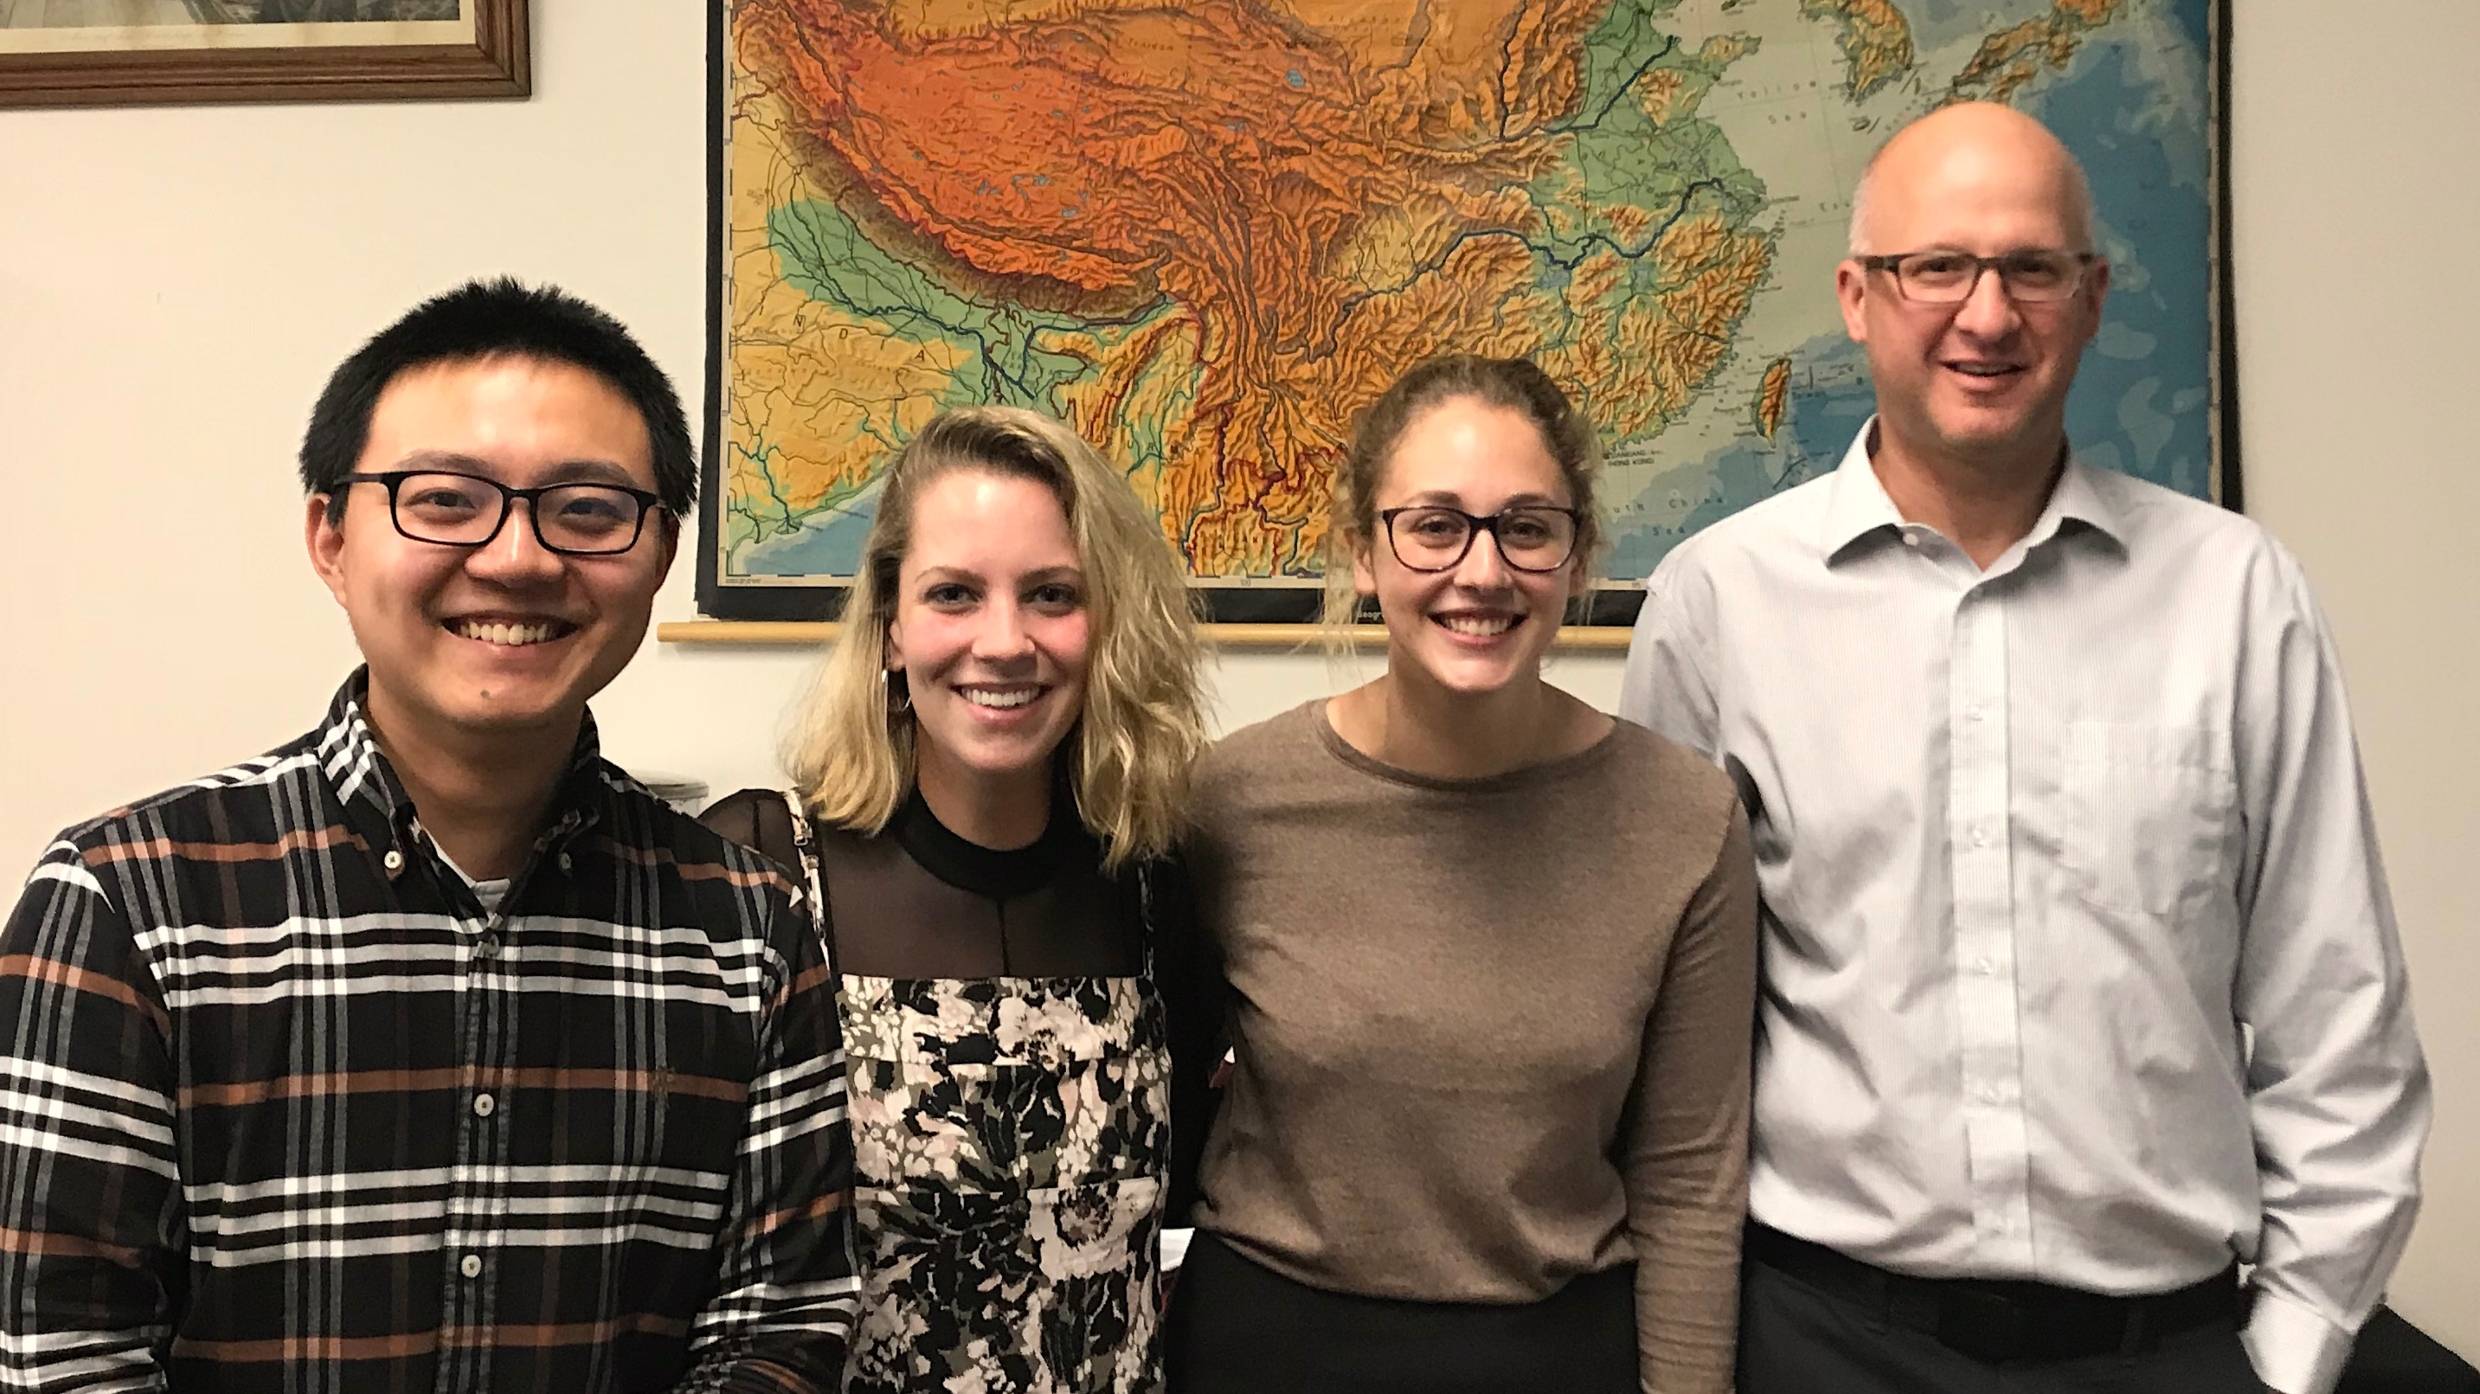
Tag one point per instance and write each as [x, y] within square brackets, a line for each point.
[850, 754]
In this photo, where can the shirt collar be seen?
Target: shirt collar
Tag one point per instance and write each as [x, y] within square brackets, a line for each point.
[375, 800]
[2080, 498]
[1859, 507]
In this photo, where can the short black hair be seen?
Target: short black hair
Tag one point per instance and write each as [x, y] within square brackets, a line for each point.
[492, 319]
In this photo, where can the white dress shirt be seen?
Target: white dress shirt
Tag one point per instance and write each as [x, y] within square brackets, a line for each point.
[2078, 960]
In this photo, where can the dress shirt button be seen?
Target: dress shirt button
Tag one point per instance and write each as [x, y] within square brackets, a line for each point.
[470, 1265]
[393, 861]
[565, 863]
[1988, 1094]
[484, 1105]
[1976, 716]
[1985, 965]
[1980, 837]
[1911, 540]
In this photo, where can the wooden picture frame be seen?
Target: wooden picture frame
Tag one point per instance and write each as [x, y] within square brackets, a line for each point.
[483, 52]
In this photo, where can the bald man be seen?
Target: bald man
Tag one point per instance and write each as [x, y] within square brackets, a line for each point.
[2082, 986]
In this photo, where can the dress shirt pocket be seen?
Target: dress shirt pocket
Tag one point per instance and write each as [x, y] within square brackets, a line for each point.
[2149, 813]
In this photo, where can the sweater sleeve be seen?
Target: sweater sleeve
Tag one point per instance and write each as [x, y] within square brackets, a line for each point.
[1685, 1139]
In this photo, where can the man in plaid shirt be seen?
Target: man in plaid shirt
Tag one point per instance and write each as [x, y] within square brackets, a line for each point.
[431, 1052]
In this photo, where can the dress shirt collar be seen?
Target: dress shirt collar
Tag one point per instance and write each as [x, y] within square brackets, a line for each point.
[378, 808]
[1858, 506]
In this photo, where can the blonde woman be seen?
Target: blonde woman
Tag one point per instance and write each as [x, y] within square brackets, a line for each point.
[1491, 957]
[986, 779]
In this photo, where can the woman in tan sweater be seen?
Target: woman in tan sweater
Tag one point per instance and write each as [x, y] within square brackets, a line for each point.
[1491, 963]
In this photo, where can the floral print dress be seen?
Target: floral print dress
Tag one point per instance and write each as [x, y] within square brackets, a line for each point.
[1011, 1139]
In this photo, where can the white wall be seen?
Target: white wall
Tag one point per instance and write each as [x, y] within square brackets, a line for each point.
[2357, 193]
[175, 284]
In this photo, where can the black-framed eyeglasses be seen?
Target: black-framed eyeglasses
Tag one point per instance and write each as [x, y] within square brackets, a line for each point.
[1433, 537]
[467, 510]
[2033, 275]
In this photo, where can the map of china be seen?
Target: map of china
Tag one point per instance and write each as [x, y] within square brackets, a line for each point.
[1208, 234]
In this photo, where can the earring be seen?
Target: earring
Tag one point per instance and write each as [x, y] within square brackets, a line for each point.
[895, 692]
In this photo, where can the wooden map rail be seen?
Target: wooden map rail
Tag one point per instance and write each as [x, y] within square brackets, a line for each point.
[1306, 637]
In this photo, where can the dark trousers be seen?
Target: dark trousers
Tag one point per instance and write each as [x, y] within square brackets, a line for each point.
[1795, 1337]
[1236, 1328]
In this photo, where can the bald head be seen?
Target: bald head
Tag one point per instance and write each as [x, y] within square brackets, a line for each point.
[1961, 153]
[1978, 382]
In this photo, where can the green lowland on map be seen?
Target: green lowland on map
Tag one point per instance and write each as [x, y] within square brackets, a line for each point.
[1207, 233]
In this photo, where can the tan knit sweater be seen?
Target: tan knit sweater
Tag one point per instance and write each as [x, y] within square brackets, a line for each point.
[1490, 1033]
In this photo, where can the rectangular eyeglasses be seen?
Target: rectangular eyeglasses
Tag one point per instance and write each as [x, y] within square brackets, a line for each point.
[467, 510]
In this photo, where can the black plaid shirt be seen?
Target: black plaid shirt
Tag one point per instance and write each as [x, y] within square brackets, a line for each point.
[282, 1107]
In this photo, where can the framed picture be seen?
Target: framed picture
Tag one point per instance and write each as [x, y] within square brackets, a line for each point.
[1207, 235]
[130, 52]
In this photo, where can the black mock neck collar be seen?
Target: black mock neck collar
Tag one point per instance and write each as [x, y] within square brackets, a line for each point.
[991, 871]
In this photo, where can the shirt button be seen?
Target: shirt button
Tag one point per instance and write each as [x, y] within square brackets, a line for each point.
[565, 863]
[470, 1265]
[1988, 1093]
[484, 1104]
[1980, 837]
[1985, 965]
[1976, 715]
[394, 860]
[1912, 541]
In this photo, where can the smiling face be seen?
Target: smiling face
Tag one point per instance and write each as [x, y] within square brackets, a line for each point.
[991, 633]
[506, 638]
[1480, 625]
[1987, 379]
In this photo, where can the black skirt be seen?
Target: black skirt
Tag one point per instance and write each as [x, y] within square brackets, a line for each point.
[1237, 1328]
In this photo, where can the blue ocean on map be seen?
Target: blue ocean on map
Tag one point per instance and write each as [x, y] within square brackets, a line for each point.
[2148, 415]
[819, 548]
